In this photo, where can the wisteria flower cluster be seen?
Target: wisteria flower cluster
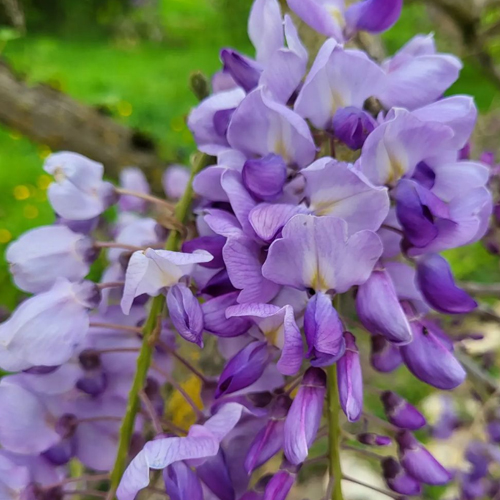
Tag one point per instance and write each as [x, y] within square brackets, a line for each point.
[310, 226]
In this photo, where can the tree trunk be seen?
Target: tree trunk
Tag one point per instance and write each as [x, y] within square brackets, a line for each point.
[56, 120]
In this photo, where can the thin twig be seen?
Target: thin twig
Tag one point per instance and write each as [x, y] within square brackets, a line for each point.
[120, 246]
[367, 453]
[88, 493]
[482, 289]
[374, 488]
[146, 197]
[114, 326]
[111, 284]
[86, 478]
[182, 360]
[151, 411]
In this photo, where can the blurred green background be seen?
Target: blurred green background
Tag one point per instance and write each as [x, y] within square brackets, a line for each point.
[133, 59]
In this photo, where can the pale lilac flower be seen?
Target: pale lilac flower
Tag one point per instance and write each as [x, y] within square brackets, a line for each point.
[316, 252]
[338, 78]
[202, 442]
[79, 192]
[41, 256]
[133, 179]
[150, 271]
[47, 328]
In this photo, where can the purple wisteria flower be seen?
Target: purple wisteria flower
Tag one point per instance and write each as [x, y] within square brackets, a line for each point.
[308, 247]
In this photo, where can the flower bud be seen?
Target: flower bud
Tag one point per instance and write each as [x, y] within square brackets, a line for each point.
[350, 380]
[352, 126]
[181, 483]
[243, 369]
[214, 315]
[371, 439]
[279, 486]
[265, 177]
[384, 356]
[323, 330]
[214, 472]
[435, 280]
[429, 358]
[270, 439]
[46, 253]
[245, 72]
[379, 309]
[401, 413]
[418, 462]
[398, 480]
[185, 313]
[304, 417]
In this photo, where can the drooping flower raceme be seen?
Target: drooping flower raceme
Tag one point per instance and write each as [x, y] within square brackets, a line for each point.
[317, 230]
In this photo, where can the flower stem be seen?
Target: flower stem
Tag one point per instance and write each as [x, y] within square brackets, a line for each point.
[334, 433]
[146, 353]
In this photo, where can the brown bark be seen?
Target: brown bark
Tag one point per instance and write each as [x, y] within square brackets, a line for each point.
[54, 119]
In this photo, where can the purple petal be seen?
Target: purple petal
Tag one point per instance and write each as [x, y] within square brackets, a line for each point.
[284, 72]
[326, 17]
[268, 219]
[261, 126]
[279, 327]
[243, 258]
[458, 112]
[384, 356]
[24, 422]
[401, 413]
[398, 480]
[338, 78]
[374, 16]
[185, 313]
[350, 380]
[335, 188]
[266, 177]
[174, 181]
[201, 442]
[241, 200]
[397, 146]
[265, 28]
[418, 76]
[436, 283]
[419, 463]
[46, 253]
[214, 313]
[211, 244]
[181, 483]
[279, 486]
[243, 369]
[304, 417]
[352, 126]
[79, 192]
[46, 329]
[428, 357]
[379, 309]
[215, 474]
[133, 179]
[316, 253]
[323, 330]
[245, 72]
[201, 121]
[268, 442]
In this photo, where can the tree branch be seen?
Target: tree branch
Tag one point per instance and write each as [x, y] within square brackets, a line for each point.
[56, 120]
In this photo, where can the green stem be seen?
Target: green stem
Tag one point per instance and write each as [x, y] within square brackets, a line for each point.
[146, 353]
[334, 437]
